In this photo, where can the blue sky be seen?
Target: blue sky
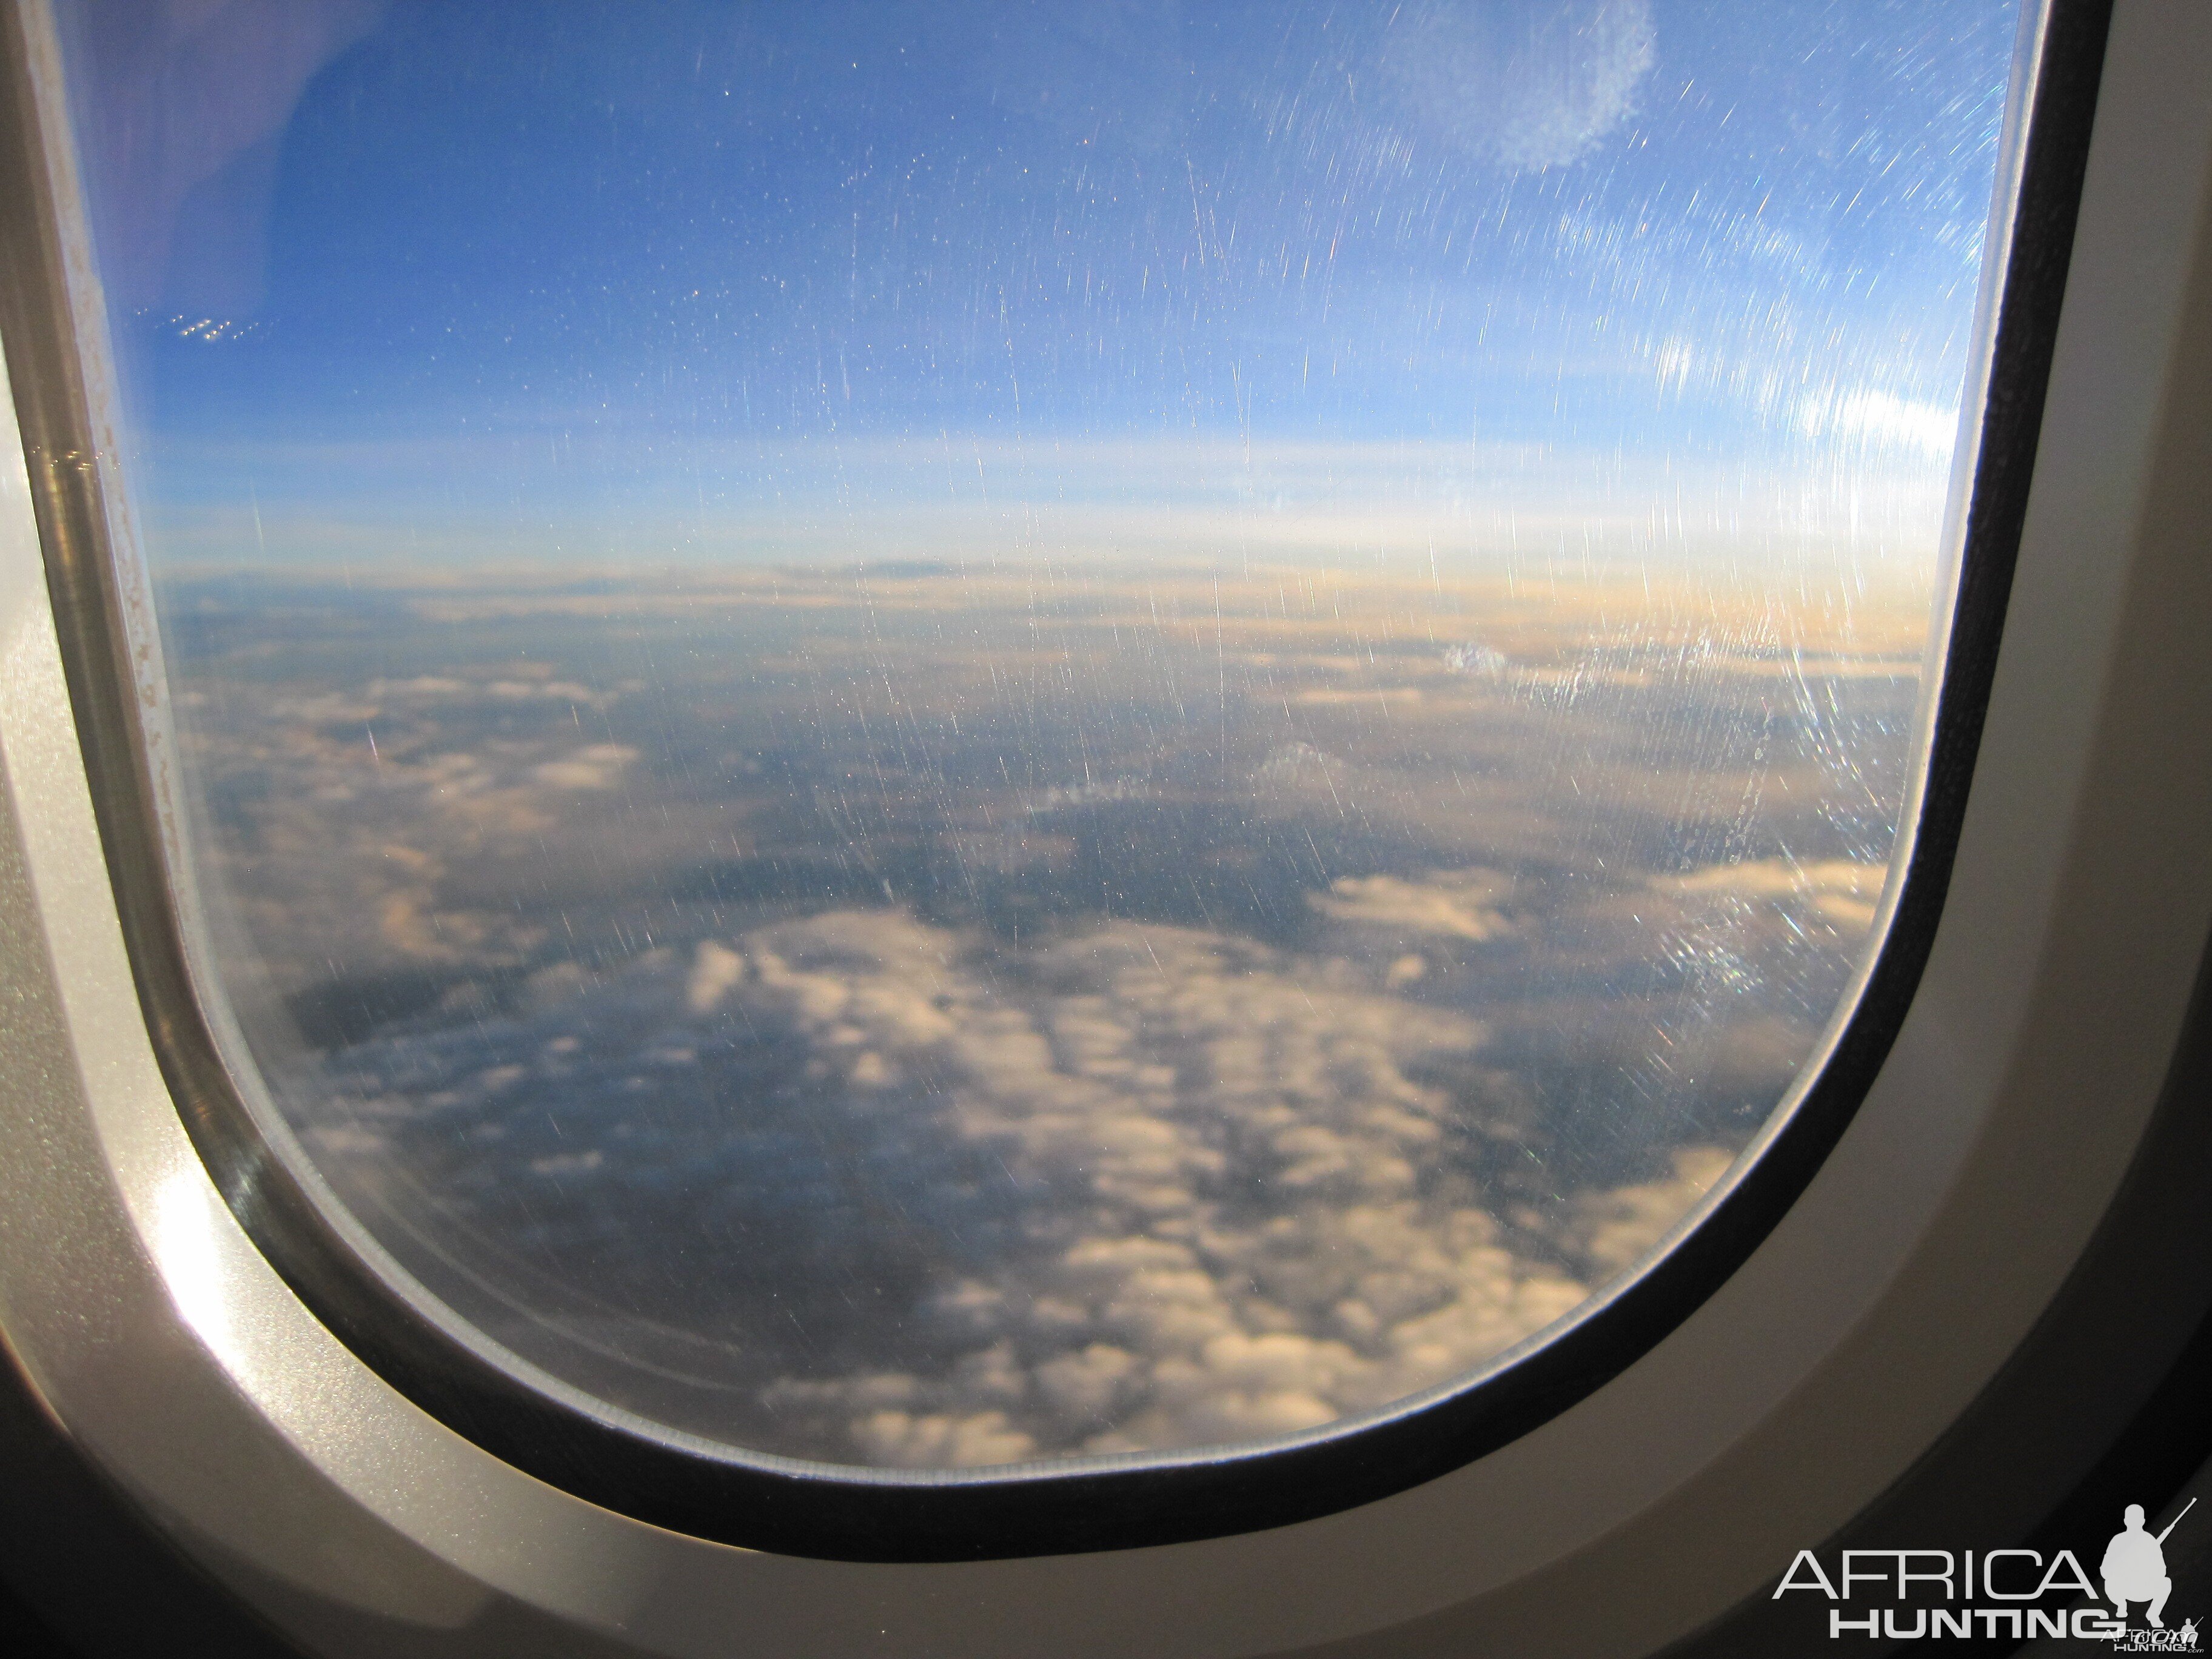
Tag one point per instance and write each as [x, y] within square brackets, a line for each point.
[555, 280]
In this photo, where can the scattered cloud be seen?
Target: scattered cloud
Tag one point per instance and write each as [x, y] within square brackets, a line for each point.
[1845, 891]
[1524, 87]
[595, 766]
[1456, 905]
[1073, 1039]
[1615, 1230]
[1220, 1215]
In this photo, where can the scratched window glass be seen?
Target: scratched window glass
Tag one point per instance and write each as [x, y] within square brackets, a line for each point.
[927, 735]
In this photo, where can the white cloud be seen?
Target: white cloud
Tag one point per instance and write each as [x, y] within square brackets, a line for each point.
[1614, 1231]
[1524, 87]
[1457, 904]
[897, 1439]
[595, 766]
[1844, 891]
[1218, 1224]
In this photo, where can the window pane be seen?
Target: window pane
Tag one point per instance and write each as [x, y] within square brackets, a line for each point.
[932, 735]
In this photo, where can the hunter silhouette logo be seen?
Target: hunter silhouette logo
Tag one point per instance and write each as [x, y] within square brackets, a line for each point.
[2135, 1570]
[2135, 1566]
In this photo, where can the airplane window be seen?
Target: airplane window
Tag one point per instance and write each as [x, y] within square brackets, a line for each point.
[928, 738]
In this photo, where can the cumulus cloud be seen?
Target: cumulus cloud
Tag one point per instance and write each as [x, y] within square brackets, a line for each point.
[1614, 1231]
[595, 766]
[897, 1439]
[1844, 891]
[1223, 1207]
[1457, 904]
[834, 1087]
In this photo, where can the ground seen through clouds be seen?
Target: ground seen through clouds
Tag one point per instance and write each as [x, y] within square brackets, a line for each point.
[924, 1015]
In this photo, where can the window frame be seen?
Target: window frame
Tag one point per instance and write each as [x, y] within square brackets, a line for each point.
[223, 1326]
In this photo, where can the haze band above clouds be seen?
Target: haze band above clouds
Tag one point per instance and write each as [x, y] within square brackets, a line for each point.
[1869, 491]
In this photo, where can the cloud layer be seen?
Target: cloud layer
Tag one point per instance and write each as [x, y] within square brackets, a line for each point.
[951, 1015]
[1155, 1188]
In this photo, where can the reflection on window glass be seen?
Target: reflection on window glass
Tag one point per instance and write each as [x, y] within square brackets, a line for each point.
[932, 735]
